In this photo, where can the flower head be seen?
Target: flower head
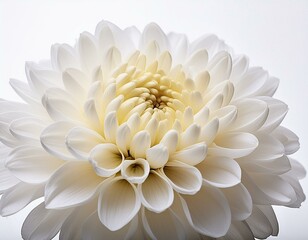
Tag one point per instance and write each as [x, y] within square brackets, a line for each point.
[131, 135]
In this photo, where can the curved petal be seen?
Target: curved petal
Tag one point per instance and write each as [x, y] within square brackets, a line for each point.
[250, 118]
[80, 141]
[19, 196]
[239, 231]
[140, 143]
[87, 47]
[221, 172]
[277, 111]
[191, 155]
[152, 32]
[170, 228]
[65, 189]
[27, 128]
[118, 203]
[260, 224]
[43, 223]
[157, 156]
[32, 164]
[234, 145]
[287, 138]
[214, 218]
[240, 201]
[53, 139]
[93, 229]
[156, 193]
[170, 140]
[135, 171]
[184, 178]
[106, 159]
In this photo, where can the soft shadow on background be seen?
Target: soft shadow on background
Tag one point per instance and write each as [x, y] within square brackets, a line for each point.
[274, 34]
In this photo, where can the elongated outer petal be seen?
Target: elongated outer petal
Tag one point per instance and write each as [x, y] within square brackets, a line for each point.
[263, 225]
[191, 155]
[53, 139]
[27, 128]
[289, 139]
[32, 164]
[24, 91]
[139, 144]
[214, 218]
[43, 223]
[65, 189]
[106, 159]
[248, 118]
[156, 193]
[19, 196]
[234, 145]
[72, 227]
[221, 172]
[80, 141]
[184, 178]
[157, 156]
[239, 231]
[240, 201]
[170, 228]
[118, 203]
[94, 229]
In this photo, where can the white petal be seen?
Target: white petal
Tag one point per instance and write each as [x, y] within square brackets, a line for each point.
[252, 113]
[221, 172]
[7, 179]
[80, 141]
[170, 140]
[220, 68]
[178, 47]
[19, 196]
[156, 193]
[268, 148]
[118, 203]
[106, 159]
[53, 139]
[297, 169]
[140, 143]
[240, 201]
[191, 155]
[214, 217]
[289, 139]
[24, 91]
[170, 228]
[268, 189]
[110, 127]
[91, 113]
[234, 145]
[88, 51]
[238, 231]
[259, 224]
[157, 156]
[165, 61]
[209, 131]
[6, 136]
[43, 223]
[190, 136]
[32, 164]
[197, 61]
[28, 128]
[226, 116]
[65, 189]
[72, 227]
[135, 171]
[123, 138]
[66, 57]
[60, 105]
[250, 83]
[93, 229]
[184, 178]
[277, 112]
[239, 68]
[202, 116]
[75, 82]
[153, 32]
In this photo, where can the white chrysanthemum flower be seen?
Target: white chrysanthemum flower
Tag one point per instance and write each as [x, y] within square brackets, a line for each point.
[131, 135]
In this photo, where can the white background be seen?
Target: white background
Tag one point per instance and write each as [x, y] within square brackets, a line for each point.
[274, 34]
